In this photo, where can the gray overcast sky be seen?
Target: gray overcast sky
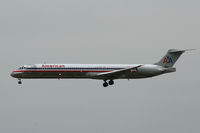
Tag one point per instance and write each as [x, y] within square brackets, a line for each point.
[103, 31]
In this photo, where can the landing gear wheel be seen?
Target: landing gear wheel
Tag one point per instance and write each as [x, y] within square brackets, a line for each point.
[111, 82]
[105, 84]
[19, 82]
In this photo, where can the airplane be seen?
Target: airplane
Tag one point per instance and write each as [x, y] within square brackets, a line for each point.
[106, 72]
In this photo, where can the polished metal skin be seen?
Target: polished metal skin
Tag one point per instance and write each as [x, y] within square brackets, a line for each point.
[99, 71]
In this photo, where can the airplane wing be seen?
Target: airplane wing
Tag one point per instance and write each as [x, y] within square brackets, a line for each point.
[116, 73]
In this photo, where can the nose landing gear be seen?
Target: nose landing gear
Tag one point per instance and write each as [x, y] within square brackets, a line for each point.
[19, 82]
[105, 84]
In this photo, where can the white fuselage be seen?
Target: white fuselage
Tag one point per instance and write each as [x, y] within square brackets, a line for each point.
[87, 71]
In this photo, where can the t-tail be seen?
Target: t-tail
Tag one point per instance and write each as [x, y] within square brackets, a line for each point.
[170, 58]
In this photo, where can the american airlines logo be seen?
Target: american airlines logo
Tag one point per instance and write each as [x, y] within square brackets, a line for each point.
[167, 60]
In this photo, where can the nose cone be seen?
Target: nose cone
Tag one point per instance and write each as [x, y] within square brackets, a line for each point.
[12, 74]
[15, 74]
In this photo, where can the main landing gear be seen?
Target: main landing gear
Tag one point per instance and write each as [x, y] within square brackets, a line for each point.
[19, 82]
[105, 84]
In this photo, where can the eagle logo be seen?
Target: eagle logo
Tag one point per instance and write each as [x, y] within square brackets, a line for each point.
[167, 60]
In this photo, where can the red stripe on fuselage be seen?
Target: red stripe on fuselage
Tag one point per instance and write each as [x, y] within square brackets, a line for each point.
[57, 71]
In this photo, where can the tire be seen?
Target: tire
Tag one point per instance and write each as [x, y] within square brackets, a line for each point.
[105, 84]
[111, 82]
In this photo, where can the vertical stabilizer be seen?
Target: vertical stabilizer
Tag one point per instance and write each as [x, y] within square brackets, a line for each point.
[170, 58]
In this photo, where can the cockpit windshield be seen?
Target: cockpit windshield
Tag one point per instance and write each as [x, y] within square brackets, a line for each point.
[22, 68]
